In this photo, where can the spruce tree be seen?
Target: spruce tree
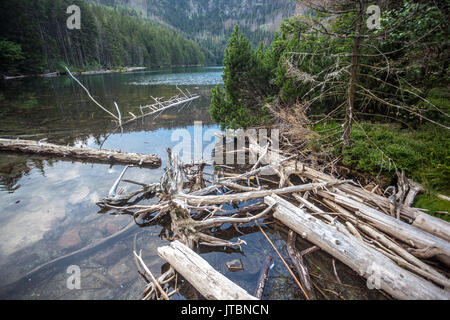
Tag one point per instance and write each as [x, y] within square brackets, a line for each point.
[245, 81]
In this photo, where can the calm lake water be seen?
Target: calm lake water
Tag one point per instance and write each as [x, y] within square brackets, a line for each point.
[48, 207]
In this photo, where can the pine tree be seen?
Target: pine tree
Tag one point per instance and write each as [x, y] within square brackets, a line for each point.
[245, 81]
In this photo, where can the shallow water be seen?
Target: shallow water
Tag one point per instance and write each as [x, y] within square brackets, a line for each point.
[47, 206]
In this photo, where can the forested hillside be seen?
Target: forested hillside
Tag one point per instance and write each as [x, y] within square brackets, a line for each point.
[210, 22]
[34, 38]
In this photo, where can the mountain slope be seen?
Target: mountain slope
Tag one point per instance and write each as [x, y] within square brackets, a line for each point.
[210, 22]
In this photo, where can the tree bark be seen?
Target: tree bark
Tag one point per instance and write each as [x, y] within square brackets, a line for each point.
[302, 269]
[263, 276]
[352, 85]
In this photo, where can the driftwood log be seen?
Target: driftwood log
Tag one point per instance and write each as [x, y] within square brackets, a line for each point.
[82, 154]
[369, 263]
[209, 282]
[434, 246]
[286, 167]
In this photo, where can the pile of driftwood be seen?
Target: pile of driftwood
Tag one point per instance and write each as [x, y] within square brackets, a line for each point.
[399, 249]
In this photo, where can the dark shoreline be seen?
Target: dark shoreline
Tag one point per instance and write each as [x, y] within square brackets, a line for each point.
[103, 71]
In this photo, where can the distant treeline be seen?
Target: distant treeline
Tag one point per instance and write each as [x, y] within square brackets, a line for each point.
[34, 38]
[210, 22]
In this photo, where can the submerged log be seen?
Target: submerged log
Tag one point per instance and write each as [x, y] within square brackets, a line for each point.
[300, 265]
[263, 276]
[78, 153]
[209, 282]
[381, 272]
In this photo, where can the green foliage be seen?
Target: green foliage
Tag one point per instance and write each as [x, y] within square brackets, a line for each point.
[412, 35]
[433, 203]
[10, 54]
[424, 154]
[245, 79]
[402, 77]
[108, 38]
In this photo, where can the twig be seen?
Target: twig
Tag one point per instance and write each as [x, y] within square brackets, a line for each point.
[89, 95]
[156, 283]
[335, 271]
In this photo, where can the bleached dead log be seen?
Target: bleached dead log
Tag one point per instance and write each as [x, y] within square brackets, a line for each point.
[429, 272]
[430, 224]
[199, 273]
[382, 272]
[77, 153]
[415, 237]
[443, 197]
[433, 225]
[160, 107]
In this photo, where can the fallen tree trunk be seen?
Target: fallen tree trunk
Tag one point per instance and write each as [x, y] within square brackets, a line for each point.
[433, 225]
[160, 108]
[409, 234]
[430, 224]
[77, 153]
[380, 271]
[209, 282]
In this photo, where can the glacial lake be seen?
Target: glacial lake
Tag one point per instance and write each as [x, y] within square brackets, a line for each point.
[48, 206]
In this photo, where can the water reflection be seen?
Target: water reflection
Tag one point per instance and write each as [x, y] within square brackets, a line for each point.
[48, 206]
[172, 77]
